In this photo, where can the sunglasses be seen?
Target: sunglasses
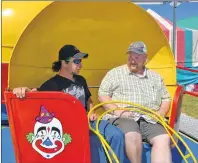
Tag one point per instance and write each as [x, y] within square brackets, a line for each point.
[76, 61]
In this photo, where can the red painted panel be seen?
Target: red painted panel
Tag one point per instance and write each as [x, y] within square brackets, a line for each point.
[48, 127]
[176, 107]
[187, 69]
[4, 79]
[191, 93]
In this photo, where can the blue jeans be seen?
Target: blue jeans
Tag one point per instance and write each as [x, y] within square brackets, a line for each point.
[113, 136]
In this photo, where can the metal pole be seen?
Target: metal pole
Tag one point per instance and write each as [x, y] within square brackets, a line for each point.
[174, 25]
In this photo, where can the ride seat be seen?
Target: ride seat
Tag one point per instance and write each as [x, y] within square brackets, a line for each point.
[48, 127]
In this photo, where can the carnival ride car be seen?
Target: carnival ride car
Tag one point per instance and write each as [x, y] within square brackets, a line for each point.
[104, 29]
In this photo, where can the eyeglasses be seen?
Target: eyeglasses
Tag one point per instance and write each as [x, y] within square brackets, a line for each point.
[76, 61]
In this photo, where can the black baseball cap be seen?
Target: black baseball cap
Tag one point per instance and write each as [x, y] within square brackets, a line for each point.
[68, 51]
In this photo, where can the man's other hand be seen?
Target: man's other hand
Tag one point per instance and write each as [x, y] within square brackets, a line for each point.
[93, 117]
[20, 91]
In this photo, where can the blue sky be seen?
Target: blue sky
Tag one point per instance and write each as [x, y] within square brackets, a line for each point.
[185, 10]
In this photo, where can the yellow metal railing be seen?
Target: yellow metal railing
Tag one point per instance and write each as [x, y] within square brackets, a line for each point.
[149, 112]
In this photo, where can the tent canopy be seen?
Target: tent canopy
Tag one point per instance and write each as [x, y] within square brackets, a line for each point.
[186, 41]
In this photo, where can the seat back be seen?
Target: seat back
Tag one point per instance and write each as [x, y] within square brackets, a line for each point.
[174, 113]
[171, 90]
[48, 127]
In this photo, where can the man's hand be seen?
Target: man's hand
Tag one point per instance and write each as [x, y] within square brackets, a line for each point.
[117, 112]
[123, 113]
[127, 114]
[93, 117]
[20, 91]
[160, 113]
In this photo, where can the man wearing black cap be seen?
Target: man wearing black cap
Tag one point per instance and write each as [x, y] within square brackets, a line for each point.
[67, 80]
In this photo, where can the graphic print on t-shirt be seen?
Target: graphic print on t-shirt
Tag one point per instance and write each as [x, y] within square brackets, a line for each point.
[76, 91]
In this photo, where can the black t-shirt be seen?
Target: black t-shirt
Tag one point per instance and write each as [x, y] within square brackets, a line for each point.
[78, 88]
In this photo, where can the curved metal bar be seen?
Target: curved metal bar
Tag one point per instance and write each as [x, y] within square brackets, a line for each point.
[153, 115]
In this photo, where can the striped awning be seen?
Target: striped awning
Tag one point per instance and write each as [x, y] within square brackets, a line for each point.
[186, 54]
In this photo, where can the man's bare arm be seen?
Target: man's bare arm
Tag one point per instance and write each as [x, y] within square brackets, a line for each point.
[91, 104]
[164, 108]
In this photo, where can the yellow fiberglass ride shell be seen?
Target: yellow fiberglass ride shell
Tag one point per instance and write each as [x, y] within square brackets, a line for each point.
[102, 29]
[16, 15]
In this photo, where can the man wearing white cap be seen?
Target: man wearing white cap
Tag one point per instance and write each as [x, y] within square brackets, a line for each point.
[133, 82]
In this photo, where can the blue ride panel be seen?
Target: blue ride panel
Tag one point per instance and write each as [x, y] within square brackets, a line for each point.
[4, 116]
[8, 152]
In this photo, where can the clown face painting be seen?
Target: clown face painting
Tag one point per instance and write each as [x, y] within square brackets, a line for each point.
[48, 138]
